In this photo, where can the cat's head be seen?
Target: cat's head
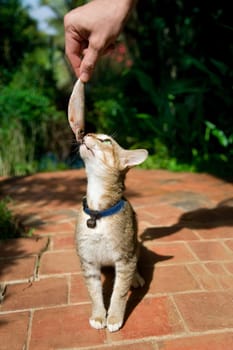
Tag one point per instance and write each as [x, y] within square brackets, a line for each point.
[102, 151]
[99, 151]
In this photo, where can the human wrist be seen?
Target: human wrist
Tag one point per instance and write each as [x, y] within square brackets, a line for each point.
[125, 5]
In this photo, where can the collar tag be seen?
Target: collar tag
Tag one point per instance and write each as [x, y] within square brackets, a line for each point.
[91, 223]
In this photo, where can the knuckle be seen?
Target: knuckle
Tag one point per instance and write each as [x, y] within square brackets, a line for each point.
[67, 18]
[88, 66]
[95, 44]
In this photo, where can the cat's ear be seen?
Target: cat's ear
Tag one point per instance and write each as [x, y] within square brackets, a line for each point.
[76, 107]
[130, 158]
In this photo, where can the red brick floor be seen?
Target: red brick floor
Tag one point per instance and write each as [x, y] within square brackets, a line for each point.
[186, 229]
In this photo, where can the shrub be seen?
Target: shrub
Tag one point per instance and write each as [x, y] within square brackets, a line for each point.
[25, 129]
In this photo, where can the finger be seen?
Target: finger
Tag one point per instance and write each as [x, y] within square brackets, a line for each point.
[91, 56]
[73, 50]
[75, 62]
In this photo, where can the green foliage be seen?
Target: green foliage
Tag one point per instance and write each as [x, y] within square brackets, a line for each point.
[19, 36]
[10, 225]
[167, 87]
[211, 129]
[161, 159]
[26, 118]
[8, 228]
[177, 94]
[31, 122]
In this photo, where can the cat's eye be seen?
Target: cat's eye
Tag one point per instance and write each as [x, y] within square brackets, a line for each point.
[106, 141]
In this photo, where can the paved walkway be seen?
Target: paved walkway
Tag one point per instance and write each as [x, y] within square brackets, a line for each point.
[186, 225]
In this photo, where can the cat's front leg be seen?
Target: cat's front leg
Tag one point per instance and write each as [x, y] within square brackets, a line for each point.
[123, 280]
[93, 281]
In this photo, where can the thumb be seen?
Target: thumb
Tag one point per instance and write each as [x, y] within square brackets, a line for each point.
[88, 64]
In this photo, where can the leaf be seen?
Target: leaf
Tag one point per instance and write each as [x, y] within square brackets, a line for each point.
[222, 139]
[222, 67]
[191, 61]
[211, 129]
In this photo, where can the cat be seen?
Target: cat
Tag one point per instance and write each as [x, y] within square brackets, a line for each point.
[108, 240]
[106, 230]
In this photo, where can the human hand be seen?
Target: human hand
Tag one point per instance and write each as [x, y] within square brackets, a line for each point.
[91, 31]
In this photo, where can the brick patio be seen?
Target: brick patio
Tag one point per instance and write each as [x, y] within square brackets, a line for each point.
[186, 229]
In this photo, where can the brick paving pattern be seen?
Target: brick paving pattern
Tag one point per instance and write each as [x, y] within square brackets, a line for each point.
[186, 230]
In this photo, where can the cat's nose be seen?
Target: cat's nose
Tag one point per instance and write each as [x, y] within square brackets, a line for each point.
[89, 136]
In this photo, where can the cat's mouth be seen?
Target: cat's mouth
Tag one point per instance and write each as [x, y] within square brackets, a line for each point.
[88, 148]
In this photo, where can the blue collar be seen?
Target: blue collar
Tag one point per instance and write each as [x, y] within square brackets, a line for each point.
[96, 214]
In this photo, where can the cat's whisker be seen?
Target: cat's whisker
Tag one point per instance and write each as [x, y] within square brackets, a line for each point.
[73, 142]
[114, 134]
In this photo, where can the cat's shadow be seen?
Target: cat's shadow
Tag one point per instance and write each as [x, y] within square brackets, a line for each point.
[146, 266]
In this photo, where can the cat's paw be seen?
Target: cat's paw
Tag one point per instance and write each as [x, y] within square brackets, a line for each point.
[97, 322]
[138, 281]
[114, 323]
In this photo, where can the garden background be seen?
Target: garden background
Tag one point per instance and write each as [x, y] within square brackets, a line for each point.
[167, 87]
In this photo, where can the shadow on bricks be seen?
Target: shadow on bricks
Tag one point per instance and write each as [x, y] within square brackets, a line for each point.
[10, 252]
[203, 218]
[146, 265]
[14, 253]
[44, 188]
